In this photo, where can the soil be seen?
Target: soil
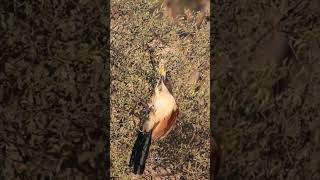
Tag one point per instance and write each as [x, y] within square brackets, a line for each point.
[266, 88]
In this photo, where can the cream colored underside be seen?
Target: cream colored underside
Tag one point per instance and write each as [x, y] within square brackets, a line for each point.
[164, 105]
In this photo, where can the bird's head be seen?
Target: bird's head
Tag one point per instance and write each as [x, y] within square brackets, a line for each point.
[163, 83]
[162, 72]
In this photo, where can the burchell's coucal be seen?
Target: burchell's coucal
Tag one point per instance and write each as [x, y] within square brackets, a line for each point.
[162, 118]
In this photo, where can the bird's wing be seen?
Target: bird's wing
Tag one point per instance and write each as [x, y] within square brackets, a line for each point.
[164, 126]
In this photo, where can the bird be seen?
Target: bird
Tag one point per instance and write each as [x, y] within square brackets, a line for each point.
[163, 113]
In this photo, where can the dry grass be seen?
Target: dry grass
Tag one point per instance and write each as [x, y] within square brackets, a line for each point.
[266, 135]
[140, 38]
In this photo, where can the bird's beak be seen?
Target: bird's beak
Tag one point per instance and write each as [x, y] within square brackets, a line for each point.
[162, 73]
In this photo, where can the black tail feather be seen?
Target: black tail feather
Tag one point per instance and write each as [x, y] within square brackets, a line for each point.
[140, 152]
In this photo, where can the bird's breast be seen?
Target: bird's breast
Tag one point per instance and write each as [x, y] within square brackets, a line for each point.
[164, 105]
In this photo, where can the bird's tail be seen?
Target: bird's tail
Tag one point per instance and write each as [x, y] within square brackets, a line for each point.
[140, 152]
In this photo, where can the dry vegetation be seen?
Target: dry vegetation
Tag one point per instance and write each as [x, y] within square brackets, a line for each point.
[140, 38]
[52, 88]
[266, 135]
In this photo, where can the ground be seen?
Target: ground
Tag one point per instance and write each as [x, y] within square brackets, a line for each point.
[52, 89]
[264, 135]
[140, 39]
